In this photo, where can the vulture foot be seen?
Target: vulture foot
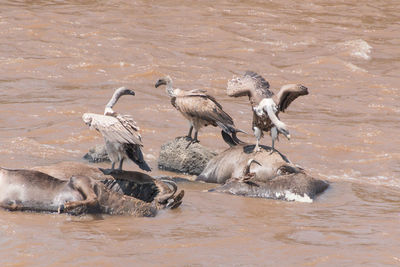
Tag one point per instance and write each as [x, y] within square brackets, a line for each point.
[192, 141]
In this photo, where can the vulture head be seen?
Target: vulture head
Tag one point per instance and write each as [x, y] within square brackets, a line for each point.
[164, 81]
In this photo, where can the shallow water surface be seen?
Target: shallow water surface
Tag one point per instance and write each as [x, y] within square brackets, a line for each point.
[60, 59]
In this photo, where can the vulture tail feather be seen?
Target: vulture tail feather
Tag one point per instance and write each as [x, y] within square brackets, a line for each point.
[136, 155]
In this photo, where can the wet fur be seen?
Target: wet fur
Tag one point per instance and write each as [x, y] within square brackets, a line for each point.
[231, 162]
[297, 183]
[132, 183]
[37, 191]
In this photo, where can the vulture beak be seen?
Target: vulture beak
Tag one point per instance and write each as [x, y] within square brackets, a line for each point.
[160, 82]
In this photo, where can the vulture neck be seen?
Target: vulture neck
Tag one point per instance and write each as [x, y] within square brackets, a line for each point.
[114, 99]
[270, 106]
[170, 90]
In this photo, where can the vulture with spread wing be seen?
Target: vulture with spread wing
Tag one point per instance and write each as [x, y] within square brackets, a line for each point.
[201, 110]
[120, 133]
[266, 105]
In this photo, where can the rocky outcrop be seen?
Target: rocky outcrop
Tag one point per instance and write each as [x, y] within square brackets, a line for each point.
[97, 154]
[182, 156]
[178, 155]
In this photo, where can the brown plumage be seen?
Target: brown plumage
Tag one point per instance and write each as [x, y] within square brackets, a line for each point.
[266, 105]
[201, 110]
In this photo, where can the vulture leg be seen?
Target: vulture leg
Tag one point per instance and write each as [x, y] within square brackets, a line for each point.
[109, 171]
[189, 135]
[274, 136]
[84, 187]
[112, 166]
[120, 164]
[195, 140]
[257, 134]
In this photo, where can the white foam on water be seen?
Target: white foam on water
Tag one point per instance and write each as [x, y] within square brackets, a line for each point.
[354, 68]
[358, 48]
[290, 196]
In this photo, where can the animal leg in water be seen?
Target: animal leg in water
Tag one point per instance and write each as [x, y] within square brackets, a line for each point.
[84, 186]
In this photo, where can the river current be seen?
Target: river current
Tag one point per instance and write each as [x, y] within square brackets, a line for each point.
[60, 59]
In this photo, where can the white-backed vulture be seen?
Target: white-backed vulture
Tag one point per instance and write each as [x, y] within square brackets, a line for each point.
[201, 110]
[120, 133]
[266, 106]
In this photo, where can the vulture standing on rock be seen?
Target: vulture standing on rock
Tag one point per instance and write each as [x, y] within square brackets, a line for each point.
[120, 133]
[266, 105]
[201, 110]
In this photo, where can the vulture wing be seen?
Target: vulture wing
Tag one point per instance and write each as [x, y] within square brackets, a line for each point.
[288, 93]
[250, 84]
[115, 129]
[204, 107]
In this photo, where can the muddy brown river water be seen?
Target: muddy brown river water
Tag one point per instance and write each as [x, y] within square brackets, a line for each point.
[60, 59]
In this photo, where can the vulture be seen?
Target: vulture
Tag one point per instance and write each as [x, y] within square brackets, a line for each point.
[266, 105]
[201, 109]
[120, 133]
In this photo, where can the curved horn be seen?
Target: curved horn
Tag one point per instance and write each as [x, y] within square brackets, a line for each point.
[246, 169]
[162, 187]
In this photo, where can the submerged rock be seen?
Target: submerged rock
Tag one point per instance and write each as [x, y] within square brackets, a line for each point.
[182, 156]
[97, 154]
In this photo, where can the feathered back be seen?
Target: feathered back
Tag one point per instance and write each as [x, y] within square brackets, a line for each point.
[197, 103]
[128, 122]
[118, 129]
